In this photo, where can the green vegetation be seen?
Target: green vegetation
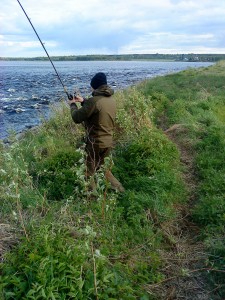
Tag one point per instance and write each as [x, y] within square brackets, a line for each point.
[62, 244]
[126, 57]
[195, 99]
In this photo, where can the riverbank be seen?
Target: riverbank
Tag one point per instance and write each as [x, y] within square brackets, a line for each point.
[162, 238]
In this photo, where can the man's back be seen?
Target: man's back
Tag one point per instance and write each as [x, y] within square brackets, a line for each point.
[101, 122]
[98, 113]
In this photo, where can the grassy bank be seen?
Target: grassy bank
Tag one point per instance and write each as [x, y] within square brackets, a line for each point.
[60, 244]
[195, 101]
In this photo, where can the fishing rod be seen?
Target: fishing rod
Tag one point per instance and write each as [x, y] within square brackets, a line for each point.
[70, 97]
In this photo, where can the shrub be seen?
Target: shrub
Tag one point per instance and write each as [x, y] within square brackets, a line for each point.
[149, 166]
[57, 175]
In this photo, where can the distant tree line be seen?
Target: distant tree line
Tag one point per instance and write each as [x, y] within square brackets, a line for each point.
[127, 57]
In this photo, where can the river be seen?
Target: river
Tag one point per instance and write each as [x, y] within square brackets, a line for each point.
[27, 88]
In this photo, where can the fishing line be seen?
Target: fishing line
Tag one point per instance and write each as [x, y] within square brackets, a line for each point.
[70, 97]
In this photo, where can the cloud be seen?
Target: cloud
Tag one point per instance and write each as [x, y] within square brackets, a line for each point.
[163, 42]
[100, 26]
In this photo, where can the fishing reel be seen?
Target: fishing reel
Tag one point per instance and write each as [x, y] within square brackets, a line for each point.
[70, 96]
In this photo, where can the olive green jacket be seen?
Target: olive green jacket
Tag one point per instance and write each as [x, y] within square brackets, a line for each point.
[98, 113]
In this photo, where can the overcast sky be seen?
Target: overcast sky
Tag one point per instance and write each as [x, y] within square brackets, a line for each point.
[77, 27]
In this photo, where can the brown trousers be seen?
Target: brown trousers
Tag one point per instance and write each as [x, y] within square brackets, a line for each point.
[95, 159]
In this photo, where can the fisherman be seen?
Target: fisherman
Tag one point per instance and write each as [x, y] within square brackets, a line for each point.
[98, 114]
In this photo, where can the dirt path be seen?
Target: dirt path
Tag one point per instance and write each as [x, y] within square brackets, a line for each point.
[184, 261]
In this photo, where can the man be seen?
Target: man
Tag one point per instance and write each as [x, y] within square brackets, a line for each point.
[98, 113]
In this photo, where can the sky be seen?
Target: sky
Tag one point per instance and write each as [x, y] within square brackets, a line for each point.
[80, 27]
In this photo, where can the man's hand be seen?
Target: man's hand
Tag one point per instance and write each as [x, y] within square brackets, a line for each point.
[76, 99]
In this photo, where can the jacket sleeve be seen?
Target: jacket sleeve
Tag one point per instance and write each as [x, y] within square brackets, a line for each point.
[82, 114]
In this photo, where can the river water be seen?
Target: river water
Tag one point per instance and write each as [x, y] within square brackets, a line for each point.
[27, 88]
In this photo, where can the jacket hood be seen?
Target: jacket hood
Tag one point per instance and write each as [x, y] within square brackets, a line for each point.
[103, 90]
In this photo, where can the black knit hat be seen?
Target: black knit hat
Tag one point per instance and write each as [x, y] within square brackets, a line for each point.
[98, 80]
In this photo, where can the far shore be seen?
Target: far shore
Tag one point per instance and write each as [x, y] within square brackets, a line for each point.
[126, 57]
